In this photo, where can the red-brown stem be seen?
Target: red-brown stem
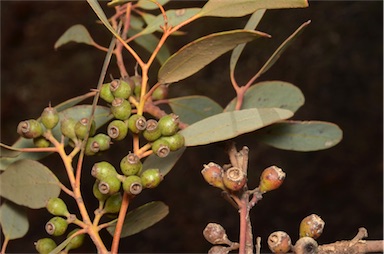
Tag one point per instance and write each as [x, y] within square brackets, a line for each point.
[243, 225]
[119, 224]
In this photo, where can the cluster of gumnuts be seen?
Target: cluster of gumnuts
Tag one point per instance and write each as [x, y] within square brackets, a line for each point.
[233, 180]
[162, 135]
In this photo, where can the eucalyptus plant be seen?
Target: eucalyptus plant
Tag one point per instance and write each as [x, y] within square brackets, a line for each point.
[131, 106]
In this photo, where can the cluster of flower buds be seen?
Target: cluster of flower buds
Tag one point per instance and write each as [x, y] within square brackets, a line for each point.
[230, 179]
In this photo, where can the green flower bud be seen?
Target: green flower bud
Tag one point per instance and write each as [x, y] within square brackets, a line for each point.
[103, 169]
[121, 108]
[30, 129]
[151, 178]
[169, 124]
[152, 132]
[160, 93]
[120, 89]
[56, 226]
[106, 94]
[45, 245]
[50, 117]
[56, 206]
[67, 126]
[41, 142]
[175, 141]
[103, 140]
[132, 185]
[161, 148]
[76, 241]
[96, 192]
[131, 165]
[113, 203]
[137, 123]
[109, 185]
[81, 128]
[117, 130]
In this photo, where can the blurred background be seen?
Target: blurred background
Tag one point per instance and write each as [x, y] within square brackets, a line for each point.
[337, 62]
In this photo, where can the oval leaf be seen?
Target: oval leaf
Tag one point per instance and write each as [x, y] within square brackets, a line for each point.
[163, 164]
[76, 33]
[301, 135]
[192, 109]
[194, 56]
[13, 220]
[174, 17]
[228, 125]
[239, 8]
[141, 218]
[271, 94]
[102, 115]
[29, 183]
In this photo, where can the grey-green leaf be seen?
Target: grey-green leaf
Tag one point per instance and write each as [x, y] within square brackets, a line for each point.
[301, 136]
[239, 8]
[29, 183]
[228, 125]
[77, 33]
[148, 5]
[276, 55]
[194, 56]
[142, 218]
[192, 109]
[251, 25]
[174, 17]
[163, 164]
[102, 116]
[13, 220]
[271, 94]
[114, 3]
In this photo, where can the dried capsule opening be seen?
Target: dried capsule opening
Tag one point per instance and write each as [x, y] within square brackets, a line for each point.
[141, 123]
[23, 127]
[135, 188]
[95, 146]
[235, 174]
[113, 132]
[133, 158]
[84, 121]
[152, 125]
[117, 102]
[163, 151]
[104, 187]
[50, 228]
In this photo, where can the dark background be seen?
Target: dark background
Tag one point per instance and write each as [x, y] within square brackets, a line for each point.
[336, 62]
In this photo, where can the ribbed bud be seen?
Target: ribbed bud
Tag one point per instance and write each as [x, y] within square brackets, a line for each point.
[175, 141]
[213, 174]
[67, 127]
[215, 234]
[103, 140]
[30, 129]
[279, 242]
[271, 179]
[103, 169]
[312, 226]
[81, 128]
[234, 179]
